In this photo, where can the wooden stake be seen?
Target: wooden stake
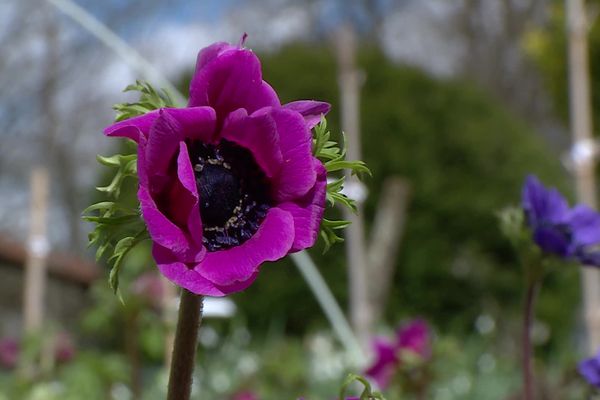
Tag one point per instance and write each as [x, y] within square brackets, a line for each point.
[350, 80]
[386, 234]
[581, 128]
[35, 268]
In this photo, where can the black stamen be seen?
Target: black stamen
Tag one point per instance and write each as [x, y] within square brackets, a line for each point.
[234, 193]
[219, 193]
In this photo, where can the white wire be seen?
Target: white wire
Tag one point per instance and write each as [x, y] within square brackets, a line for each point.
[330, 307]
[118, 45]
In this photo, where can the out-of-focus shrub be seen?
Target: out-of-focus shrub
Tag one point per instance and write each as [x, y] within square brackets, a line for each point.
[465, 157]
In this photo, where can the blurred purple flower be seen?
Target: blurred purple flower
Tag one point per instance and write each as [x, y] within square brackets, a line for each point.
[9, 352]
[229, 182]
[590, 370]
[570, 233]
[547, 213]
[413, 338]
[64, 347]
[347, 398]
[245, 395]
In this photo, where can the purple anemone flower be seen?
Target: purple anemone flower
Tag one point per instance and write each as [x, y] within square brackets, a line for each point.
[547, 213]
[228, 182]
[413, 337]
[570, 233]
[590, 370]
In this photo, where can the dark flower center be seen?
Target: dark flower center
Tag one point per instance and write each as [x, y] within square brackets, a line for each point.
[234, 193]
[219, 191]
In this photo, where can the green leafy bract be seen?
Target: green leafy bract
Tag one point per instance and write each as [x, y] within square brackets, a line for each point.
[150, 99]
[120, 228]
[333, 158]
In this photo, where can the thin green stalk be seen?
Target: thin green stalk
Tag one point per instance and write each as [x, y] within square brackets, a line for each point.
[528, 316]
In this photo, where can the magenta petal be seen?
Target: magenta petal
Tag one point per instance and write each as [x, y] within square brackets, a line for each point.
[196, 123]
[229, 80]
[257, 133]
[181, 275]
[163, 142]
[141, 161]
[239, 286]
[186, 176]
[172, 126]
[272, 241]
[165, 232]
[415, 337]
[297, 174]
[311, 110]
[383, 367]
[132, 128]
[209, 53]
[308, 211]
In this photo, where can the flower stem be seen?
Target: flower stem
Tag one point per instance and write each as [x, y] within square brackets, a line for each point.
[184, 349]
[528, 381]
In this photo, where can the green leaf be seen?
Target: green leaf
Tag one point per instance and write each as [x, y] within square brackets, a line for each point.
[119, 228]
[126, 167]
[333, 156]
[327, 233]
[123, 247]
[333, 197]
[116, 160]
[111, 220]
[355, 167]
[335, 224]
[367, 393]
[150, 99]
[337, 185]
[108, 206]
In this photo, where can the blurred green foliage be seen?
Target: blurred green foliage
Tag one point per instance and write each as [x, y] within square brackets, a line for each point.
[548, 47]
[92, 375]
[465, 157]
[232, 360]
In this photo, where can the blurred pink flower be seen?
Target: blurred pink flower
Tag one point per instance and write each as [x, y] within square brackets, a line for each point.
[245, 395]
[413, 337]
[347, 398]
[149, 287]
[9, 352]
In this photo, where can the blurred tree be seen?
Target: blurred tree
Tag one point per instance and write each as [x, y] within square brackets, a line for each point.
[492, 34]
[49, 74]
[547, 46]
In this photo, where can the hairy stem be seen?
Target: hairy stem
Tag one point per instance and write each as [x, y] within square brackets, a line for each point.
[184, 349]
[528, 314]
